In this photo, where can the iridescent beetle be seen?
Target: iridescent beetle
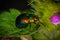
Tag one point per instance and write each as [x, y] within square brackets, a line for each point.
[24, 19]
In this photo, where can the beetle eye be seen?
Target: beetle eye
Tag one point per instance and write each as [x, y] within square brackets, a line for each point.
[35, 19]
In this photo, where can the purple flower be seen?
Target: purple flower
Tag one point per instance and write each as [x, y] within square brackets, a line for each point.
[55, 19]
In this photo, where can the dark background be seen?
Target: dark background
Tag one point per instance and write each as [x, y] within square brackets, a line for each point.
[5, 5]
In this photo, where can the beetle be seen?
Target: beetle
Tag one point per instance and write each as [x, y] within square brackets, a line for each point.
[24, 19]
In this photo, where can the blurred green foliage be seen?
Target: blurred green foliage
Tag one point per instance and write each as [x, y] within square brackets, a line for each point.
[44, 9]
